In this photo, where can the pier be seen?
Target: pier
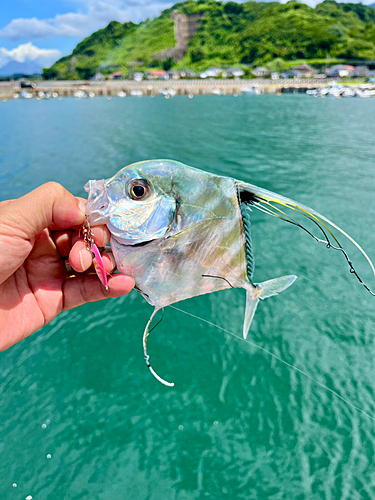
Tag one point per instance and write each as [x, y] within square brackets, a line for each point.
[179, 87]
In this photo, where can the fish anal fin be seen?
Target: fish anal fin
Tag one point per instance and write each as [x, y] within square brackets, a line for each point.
[251, 307]
[263, 291]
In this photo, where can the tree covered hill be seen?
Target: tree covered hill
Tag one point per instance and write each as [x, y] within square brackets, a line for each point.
[229, 33]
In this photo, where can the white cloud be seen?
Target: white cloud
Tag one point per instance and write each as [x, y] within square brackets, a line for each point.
[79, 25]
[29, 52]
[91, 16]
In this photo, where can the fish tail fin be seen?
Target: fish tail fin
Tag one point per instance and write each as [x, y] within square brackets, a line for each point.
[263, 291]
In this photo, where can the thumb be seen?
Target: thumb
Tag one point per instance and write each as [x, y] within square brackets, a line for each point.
[48, 206]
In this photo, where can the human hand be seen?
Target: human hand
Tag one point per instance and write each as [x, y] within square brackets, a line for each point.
[37, 234]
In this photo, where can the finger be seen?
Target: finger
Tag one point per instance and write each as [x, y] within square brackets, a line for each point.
[48, 205]
[79, 257]
[108, 262]
[63, 241]
[83, 289]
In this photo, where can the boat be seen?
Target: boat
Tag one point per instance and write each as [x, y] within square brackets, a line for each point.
[249, 91]
[217, 92]
[136, 93]
[80, 94]
[167, 92]
[121, 93]
[26, 95]
[348, 92]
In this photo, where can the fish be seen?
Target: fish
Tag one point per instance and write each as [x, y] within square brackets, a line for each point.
[181, 232]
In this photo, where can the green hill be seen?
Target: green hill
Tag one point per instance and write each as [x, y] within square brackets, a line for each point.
[226, 34]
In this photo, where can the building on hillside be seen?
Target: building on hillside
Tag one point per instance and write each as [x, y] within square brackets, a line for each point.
[304, 70]
[211, 73]
[137, 76]
[233, 72]
[275, 75]
[361, 71]
[98, 77]
[260, 72]
[117, 75]
[156, 74]
[340, 70]
[173, 75]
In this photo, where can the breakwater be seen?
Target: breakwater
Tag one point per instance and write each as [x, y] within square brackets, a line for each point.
[69, 88]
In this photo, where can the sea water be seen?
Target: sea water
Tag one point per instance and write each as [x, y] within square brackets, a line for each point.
[81, 417]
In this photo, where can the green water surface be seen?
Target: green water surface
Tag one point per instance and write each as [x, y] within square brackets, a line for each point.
[239, 424]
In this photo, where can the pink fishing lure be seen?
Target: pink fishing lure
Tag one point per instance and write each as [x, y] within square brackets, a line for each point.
[99, 266]
[88, 238]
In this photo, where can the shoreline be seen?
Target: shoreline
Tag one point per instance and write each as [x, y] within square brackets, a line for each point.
[68, 88]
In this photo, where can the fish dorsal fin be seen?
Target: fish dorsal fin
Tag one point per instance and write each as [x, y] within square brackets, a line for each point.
[267, 201]
[250, 263]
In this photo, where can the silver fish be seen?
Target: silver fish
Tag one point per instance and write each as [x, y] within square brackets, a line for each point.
[182, 232]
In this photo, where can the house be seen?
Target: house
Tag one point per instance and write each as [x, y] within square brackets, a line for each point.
[235, 72]
[361, 71]
[275, 75]
[116, 76]
[340, 70]
[211, 73]
[98, 77]
[136, 76]
[259, 72]
[304, 70]
[173, 75]
[156, 74]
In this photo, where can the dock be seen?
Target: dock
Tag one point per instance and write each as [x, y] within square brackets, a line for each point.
[194, 87]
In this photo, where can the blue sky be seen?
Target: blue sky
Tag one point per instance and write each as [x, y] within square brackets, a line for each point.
[44, 30]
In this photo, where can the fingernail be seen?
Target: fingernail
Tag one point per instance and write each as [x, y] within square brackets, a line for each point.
[82, 255]
[82, 206]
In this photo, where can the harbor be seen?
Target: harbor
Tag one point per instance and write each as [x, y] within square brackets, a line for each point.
[190, 88]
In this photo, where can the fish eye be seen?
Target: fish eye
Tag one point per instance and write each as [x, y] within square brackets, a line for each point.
[139, 189]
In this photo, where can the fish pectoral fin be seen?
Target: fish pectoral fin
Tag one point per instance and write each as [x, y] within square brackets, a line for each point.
[263, 291]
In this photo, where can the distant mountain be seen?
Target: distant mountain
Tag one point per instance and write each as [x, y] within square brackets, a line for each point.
[200, 34]
[17, 68]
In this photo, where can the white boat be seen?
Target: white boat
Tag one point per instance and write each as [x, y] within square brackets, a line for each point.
[313, 92]
[15, 96]
[364, 94]
[167, 92]
[26, 95]
[91, 94]
[80, 94]
[121, 93]
[55, 95]
[217, 92]
[249, 91]
[136, 93]
[348, 92]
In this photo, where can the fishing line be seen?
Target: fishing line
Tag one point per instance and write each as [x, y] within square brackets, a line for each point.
[158, 323]
[279, 359]
[326, 241]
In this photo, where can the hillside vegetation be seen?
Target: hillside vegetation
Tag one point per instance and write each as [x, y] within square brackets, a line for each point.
[229, 33]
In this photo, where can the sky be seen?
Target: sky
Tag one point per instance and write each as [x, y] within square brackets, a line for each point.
[44, 30]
